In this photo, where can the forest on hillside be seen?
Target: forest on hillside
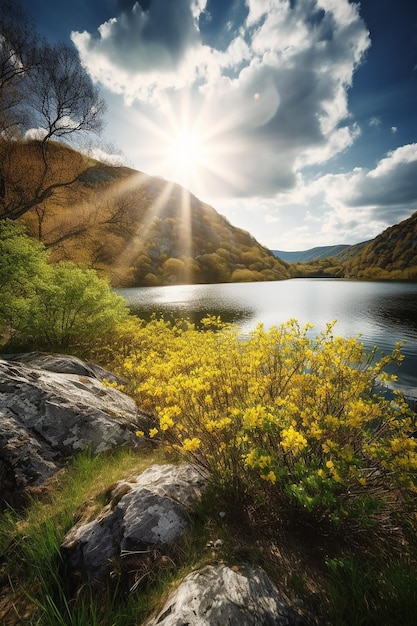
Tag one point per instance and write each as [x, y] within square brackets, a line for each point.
[141, 230]
[392, 255]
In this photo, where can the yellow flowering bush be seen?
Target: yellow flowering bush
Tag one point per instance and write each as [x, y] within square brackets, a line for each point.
[280, 412]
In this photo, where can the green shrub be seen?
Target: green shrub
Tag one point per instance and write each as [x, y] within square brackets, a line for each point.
[22, 261]
[72, 307]
[51, 306]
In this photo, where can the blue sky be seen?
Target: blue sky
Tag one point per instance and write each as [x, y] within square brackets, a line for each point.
[296, 119]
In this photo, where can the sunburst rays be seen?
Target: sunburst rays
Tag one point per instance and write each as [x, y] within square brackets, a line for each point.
[194, 147]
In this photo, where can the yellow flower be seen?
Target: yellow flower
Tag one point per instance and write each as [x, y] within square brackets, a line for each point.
[191, 444]
[254, 416]
[336, 476]
[250, 458]
[153, 432]
[327, 446]
[139, 433]
[263, 461]
[270, 477]
[166, 423]
[292, 440]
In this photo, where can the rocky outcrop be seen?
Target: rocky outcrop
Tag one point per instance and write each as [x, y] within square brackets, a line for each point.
[52, 407]
[144, 516]
[144, 512]
[218, 594]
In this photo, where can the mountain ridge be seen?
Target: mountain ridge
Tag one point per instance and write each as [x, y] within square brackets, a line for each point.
[391, 255]
[311, 254]
[142, 230]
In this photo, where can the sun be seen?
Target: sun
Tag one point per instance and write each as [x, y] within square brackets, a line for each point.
[188, 150]
[187, 154]
[194, 146]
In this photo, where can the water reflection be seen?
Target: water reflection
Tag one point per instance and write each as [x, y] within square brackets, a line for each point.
[398, 311]
[192, 302]
[193, 313]
[382, 313]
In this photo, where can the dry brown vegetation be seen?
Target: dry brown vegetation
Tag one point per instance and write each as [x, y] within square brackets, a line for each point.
[133, 228]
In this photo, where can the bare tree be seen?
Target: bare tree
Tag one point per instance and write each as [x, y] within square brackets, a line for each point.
[19, 53]
[61, 97]
[44, 89]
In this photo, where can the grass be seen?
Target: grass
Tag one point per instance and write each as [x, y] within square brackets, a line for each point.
[30, 540]
[372, 594]
[336, 586]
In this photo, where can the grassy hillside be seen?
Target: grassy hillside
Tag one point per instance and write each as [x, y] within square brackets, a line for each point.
[142, 230]
[351, 251]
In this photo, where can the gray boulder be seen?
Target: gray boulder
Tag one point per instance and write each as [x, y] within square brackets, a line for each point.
[63, 364]
[218, 594]
[48, 416]
[182, 483]
[147, 511]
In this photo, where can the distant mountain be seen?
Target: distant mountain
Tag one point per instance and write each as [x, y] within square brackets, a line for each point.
[306, 256]
[142, 230]
[351, 251]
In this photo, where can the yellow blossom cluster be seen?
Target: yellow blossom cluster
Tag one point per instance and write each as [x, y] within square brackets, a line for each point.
[292, 440]
[299, 412]
[191, 444]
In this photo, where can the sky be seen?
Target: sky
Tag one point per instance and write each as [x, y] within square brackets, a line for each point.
[295, 119]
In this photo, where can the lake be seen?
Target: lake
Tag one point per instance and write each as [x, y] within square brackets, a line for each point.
[382, 312]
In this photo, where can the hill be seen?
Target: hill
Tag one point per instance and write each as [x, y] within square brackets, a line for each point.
[312, 254]
[391, 255]
[142, 230]
[351, 251]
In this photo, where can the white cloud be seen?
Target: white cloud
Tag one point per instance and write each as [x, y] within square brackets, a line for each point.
[35, 134]
[335, 208]
[364, 202]
[375, 122]
[273, 102]
[137, 50]
[105, 156]
[392, 186]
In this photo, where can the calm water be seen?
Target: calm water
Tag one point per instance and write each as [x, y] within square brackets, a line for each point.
[381, 312]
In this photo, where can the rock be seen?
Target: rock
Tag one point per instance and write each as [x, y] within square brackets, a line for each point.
[218, 594]
[150, 519]
[182, 483]
[47, 416]
[23, 458]
[63, 364]
[89, 548]
[146, 511]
